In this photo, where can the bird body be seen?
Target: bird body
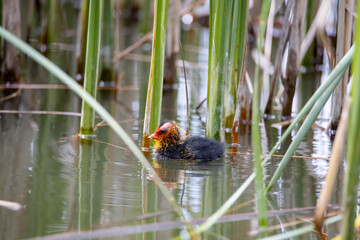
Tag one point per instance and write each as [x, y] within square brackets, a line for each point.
[170, 144]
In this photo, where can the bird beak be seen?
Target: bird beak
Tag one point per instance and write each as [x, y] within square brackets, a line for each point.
[155, 135]
[152, 136]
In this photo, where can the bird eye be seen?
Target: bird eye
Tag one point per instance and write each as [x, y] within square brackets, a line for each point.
[162, 131]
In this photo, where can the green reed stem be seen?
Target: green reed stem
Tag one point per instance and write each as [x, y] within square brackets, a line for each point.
[236, 54]
[255, 128]
[219, 39]
[211, 26]
[155, 85]
[351, 178]
[91, 65]
[52, 22]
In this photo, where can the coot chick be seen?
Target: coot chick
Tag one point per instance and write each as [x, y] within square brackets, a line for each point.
[170, 144]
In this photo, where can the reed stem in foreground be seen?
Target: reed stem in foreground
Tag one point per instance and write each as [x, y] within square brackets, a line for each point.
[255, 128]
[351, 178]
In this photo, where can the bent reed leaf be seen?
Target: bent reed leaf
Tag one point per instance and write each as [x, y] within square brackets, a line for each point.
[331, 82]
[75, 87]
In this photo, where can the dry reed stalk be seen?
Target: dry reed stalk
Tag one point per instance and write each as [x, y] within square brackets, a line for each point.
[148, 35]
[315, 25]
[241, 112]
[172, 42]
[267, 52]
[344, 33]
[289, 81]
[117, 40]
[279, 55]
[10, 55]
[325, 194]
[10, 205]
[80, 51]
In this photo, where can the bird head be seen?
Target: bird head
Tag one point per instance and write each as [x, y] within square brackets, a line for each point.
[166, 134]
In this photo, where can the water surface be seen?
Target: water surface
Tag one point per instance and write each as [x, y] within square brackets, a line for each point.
[67, 186]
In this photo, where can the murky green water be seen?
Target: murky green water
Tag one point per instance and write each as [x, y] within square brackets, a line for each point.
[64, 186]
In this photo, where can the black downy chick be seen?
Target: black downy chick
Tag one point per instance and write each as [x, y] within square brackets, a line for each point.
[170, 144]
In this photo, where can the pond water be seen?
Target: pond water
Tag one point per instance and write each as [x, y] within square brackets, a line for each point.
[66, 186]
